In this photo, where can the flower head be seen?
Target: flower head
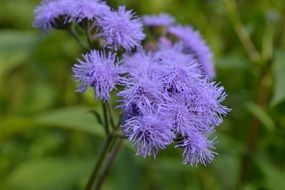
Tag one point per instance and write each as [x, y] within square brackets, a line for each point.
[178, 72]
[137, 63]
[196, 46]
[197, 149]
[141, 93]
[149, 133]
[158, 20]
[58, 13]
[121, 29]
[99, 71]
[51, 14]
[87, 9]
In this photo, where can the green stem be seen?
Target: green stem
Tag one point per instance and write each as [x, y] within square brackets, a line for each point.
[110, 114]
[102, 155]
[106, 122]
[242, 33]
[109, 163]
[76, 37]
[88, 38]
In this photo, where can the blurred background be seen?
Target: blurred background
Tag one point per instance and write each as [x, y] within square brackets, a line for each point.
[49, 140]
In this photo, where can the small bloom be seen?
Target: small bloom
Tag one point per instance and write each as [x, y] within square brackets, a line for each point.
[196, 46]
[51, 14]
[121, 29]
[183, 120]
[158, 20]
[179, 72]
[149, 133]
[197, 149]
[164, 42]
[137, 63]
[208, 104]
[99, 71]
[87, 9]
[141, 93]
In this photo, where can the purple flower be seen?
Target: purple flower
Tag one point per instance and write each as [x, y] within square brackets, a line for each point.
[121, 29]
[137, 63]
[196, 46]
[149, 133]
[164, 42]
[141, 93]
[158, 20]
[58, 13]
[99, 71]
[170, 82]
[208, 104]
[51, 14]
[197, 149]
[87, 9]
[179, 72]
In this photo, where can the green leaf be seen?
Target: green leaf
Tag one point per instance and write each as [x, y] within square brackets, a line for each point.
[15, 48]
[76, 118]
[274, 177]
[261, 115]
[47, 174]
[279, 77]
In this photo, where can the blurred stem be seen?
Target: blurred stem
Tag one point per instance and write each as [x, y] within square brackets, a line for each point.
[243, 35]
[112, 143]
[109, 108]
[102, 154]
[88, 38]
[106, 122]
[263, 93]
[109, 163]
[76, 37]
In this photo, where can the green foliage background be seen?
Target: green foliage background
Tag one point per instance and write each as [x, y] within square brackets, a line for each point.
[49, 140]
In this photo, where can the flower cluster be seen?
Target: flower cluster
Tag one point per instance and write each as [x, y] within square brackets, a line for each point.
[169, 98]
[165, 93]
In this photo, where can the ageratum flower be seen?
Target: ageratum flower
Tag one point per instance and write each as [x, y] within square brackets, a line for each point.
[99, 71]
[149, 132]
[137, 63]
[87, 9]
[51, 14]
[196, 46]
[179, 72]
[121, 29]
[171, 83]
[58, 13]
[142, 92]
[158, 20]
[164, 42]
[197, 149]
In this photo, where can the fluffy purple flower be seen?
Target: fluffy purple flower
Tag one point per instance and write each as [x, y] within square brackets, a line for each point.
[208, 104]
[169, 81]
[197, 149]
[137, 63]
[121, 29]
[179, 72]
[51, 14]
[164, 42]
[99, 71]
[87, 9]
[141, 93]
[196, 46]
[57, 13]
[149, 133]
[158, 20]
